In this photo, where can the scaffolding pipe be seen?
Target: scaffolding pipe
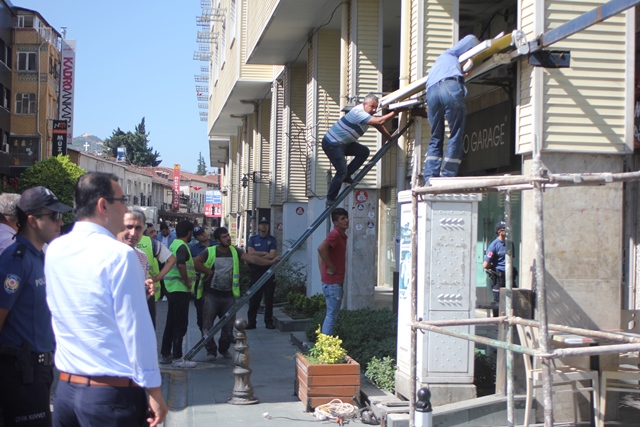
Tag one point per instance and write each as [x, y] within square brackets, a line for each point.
[465, 322]
[613, 336]
[481, 340]
[508, 307]
[541, 292]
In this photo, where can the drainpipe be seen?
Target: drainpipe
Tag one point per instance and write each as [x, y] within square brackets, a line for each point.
[344, 54]
[405, 67]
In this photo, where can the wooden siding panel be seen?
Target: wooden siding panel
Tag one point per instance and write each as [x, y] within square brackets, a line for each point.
[264, 184]
[328, 101]
[299, 152]
[589, 96]
[367, 70]
[525, 131]
[259, 14]
[311, 114]
[277, 146]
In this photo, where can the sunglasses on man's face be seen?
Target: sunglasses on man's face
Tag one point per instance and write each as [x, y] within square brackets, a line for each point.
[55, 216]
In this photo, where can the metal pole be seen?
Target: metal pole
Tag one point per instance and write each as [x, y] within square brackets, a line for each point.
[414, 307]
[508, 308]
[613, 336]
[541, 291]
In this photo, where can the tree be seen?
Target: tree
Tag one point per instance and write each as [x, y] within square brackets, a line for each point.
[202, 166]
[136, 143]
[58, 174]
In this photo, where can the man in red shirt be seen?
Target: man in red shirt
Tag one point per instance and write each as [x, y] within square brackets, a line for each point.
[332, 261]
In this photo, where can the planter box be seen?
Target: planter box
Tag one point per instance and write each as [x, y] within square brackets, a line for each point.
[319, 384]
[284, 323]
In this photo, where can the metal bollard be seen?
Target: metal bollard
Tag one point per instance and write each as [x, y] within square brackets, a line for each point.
[242, 393]
[423, 412]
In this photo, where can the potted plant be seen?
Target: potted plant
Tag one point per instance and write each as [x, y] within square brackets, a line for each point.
[326, 373]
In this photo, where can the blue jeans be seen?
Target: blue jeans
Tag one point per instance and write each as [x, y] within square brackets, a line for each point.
[333, 298]
[337, 156]
[445, 99]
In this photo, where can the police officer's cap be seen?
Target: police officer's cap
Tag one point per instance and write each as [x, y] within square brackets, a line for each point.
[198, 231]
[264, 220]
[40, 197]
[500, 226]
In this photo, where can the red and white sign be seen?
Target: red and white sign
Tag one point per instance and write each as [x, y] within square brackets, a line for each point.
[361, 196]
[67, 84]
[300, 210]
[279, 226]
[176, 188]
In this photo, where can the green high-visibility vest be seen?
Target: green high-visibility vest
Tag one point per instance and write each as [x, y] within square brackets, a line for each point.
[211, 258]
[173, 280]
[146, 246]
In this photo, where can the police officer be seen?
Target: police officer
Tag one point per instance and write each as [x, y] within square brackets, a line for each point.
[495, 263]
[26, 335]
[264, 245]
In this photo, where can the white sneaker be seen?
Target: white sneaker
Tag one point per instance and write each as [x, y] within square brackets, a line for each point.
[181, 363]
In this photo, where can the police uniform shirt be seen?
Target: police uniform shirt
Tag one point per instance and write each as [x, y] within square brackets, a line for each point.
[496, 254]
[261, 244]
[24, 294]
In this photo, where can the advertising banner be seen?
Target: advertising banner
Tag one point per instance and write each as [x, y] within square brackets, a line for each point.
[59, 138]
[67, 84]
[213, 204]
[176, 188]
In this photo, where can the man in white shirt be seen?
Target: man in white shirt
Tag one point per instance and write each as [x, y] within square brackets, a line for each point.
[101, 322]
[8, 219]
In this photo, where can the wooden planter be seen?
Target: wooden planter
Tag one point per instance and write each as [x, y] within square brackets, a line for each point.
[319, 384]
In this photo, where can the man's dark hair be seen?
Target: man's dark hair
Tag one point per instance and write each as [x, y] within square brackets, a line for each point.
[219, 232]
[89, 189]
[337, 213]
[183, 228]
[163, 226]
[22, 219]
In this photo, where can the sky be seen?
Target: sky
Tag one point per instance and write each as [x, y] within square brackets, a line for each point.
[134, 59]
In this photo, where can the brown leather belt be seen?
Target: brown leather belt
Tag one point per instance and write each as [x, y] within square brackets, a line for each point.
[97, 381]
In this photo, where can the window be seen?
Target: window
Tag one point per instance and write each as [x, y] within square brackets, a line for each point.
[26, 61]
[6, 98]
[8, 56]
[223, 42]
[25, 21]
[232, 21]
[26, 103]
[5, 141]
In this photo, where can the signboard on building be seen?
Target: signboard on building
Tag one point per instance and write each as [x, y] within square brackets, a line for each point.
[488, 139]
[175, 205]
[59, 138]
[213, 204]
[67, 84]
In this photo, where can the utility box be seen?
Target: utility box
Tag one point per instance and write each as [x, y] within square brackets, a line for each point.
[446, 243]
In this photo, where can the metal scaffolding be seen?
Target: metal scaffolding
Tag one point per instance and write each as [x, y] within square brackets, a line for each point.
[537, 182]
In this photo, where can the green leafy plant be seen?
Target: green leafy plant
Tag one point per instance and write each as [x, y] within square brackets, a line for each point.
[59, 174]
[291, 277]
[382, 373]
[327, 350]
[365, 333]
[484, 373]
[302, 307]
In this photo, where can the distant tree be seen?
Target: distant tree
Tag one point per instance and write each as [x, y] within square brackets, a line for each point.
[202, 166]
[136, 143]
[58, 174]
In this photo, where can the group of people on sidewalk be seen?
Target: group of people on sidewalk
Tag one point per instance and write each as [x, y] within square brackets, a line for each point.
[84, 305]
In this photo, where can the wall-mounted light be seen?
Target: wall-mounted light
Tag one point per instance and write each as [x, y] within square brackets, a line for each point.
[245, 181]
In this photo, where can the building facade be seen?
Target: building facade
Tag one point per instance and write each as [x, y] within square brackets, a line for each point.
[281, 70]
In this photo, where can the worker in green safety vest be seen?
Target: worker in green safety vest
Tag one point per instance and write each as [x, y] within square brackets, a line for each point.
[220, 266]
[157, 254]
[202, 242]
[179, 284]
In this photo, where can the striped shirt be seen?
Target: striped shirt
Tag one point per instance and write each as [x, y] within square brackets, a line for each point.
[350, 127]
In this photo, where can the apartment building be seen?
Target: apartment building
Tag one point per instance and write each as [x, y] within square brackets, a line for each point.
[33, 96]
[282, 70]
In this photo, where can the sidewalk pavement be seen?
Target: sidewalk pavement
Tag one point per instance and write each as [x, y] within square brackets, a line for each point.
[198, 396]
